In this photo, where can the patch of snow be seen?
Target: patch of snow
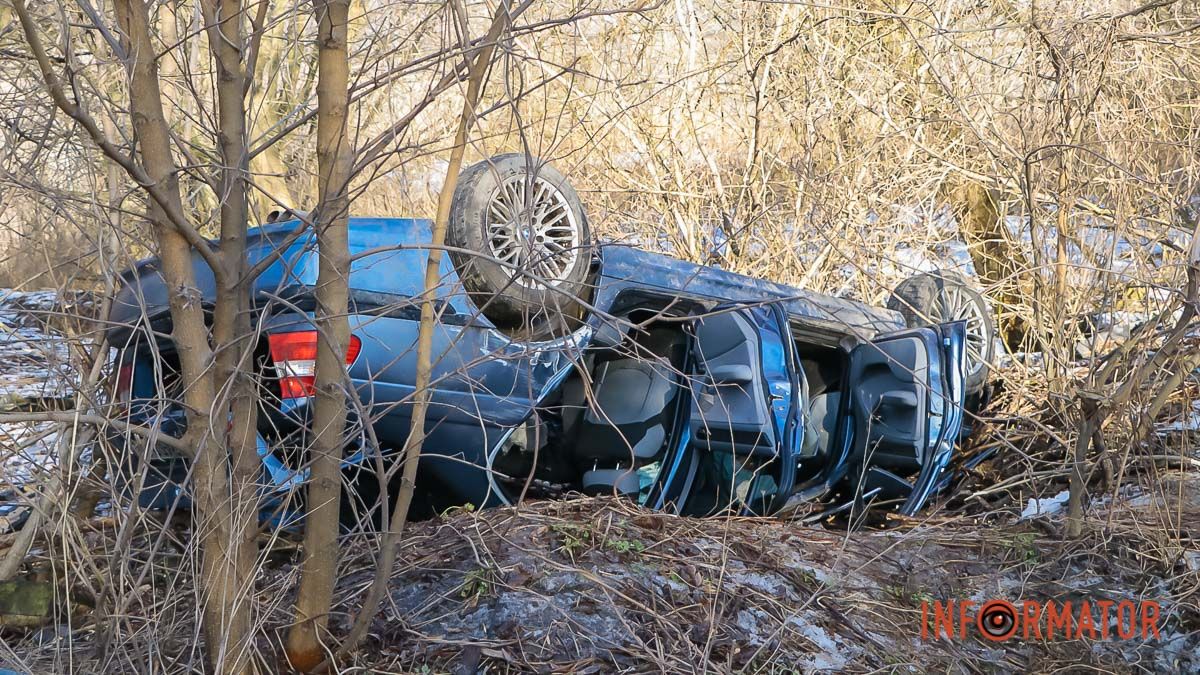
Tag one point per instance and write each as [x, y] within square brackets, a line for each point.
[27, 442]
[1026, 359]
[1045, 507]
[1177, 652]
[769, 584]
[1190, 422]
[832, 655]
[26, 452]
[956, 251]
[1124, 320]
[1005, 587]
[820, 574]
[750, 622]
[1143, 501]
[914, 260]
[36, 364]
[1084, 582]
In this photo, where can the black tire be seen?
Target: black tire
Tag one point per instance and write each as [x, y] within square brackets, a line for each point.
[528, 288]
[939, 297]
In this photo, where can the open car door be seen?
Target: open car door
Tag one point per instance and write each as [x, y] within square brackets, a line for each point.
[906, 408]
[745, 426]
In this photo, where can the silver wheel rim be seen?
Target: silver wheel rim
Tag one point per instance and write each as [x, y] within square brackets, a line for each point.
[957, 305]
[533, 233]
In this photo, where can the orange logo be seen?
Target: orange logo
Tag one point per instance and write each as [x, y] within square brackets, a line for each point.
[1000, 620]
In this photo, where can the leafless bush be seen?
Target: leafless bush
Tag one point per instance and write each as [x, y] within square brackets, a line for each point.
[1050, 148]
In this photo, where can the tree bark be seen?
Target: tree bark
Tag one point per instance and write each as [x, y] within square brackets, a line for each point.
[996, 260]
[416, 435]
[224, 607]
[334, 162]
[1089, 425]
[231, 328]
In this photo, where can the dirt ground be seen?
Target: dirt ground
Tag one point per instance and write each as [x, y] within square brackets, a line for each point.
[599, 585]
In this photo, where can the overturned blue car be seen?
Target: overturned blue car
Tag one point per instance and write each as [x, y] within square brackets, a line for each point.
[566, 366]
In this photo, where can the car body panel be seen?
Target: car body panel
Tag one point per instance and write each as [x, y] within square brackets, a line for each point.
[633, 272]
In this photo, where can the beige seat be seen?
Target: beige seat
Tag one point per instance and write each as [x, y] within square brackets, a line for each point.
[820, 423]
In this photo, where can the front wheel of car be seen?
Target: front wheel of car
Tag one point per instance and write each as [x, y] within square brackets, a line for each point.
[521, 244]
[940, 297]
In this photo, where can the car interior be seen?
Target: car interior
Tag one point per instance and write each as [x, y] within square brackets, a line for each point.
[604, 429]
[825, 369]
[617, 411]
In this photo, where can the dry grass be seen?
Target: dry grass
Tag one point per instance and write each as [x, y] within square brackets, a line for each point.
[598, 585]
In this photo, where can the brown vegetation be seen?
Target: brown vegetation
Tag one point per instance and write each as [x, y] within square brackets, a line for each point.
[1052, 147]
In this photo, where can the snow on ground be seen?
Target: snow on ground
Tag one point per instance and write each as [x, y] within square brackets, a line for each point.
[35, 363]
[35, 367]
[1190, 421]
[1045, 507]
[559, 584]
[26, 452]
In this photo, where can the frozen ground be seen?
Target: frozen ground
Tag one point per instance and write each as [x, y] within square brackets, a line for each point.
[35, 362]
[35, 371]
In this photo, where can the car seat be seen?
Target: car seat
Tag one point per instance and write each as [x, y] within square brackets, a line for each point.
[820, 431]
[626, 423]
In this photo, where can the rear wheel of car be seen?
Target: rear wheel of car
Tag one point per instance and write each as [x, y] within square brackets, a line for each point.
[525, 244]
[940, 297]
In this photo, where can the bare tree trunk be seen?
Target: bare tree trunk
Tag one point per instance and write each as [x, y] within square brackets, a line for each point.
[416, 434]
[226, 615]
[335, 159]
[996, 260]
[1089, 424]
[231, 330]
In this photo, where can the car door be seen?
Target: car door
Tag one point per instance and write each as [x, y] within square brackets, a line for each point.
[905, 408]
[745, 422]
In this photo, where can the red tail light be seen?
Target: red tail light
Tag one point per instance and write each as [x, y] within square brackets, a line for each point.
[123, 387]
[295, 357]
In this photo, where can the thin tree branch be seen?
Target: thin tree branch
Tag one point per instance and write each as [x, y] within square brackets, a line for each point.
[70, 416]
[416, 436]
[75, 112]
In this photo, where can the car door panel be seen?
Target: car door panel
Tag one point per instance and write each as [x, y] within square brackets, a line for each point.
[749, 423]
[732, 410]
[890, 398]
[906, 409]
